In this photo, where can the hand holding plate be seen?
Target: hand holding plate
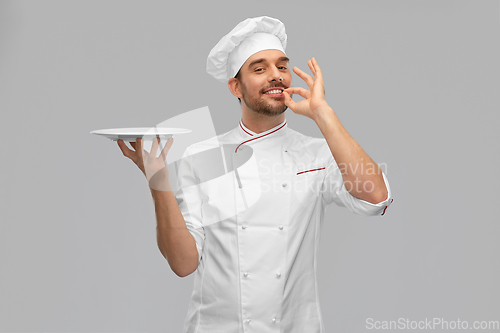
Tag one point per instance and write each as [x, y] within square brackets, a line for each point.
[154, 168]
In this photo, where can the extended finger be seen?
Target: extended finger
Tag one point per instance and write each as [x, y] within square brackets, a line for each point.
[138, 148]
[165, 149]
[298, 90]
[304, 76]
[154, 146]
[125, 150]
[319, 85]
[317, 71]
[311, 67]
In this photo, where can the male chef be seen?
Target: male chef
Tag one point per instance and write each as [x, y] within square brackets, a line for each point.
[252, 235]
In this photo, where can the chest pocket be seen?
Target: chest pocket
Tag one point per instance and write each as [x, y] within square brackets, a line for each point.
[307, 181]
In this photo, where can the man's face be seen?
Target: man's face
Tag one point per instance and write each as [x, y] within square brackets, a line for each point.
[260, 85]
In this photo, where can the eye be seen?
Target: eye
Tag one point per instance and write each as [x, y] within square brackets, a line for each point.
[259, 69]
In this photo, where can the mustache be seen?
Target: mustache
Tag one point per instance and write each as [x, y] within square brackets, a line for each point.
[275, 85]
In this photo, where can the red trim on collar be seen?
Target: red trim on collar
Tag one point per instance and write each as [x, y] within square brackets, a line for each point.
[258, 137]
[245, 130]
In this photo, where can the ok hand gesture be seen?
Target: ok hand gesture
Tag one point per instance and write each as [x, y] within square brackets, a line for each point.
[314, 97]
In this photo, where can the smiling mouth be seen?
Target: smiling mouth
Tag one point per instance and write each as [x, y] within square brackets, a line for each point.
[274, 92]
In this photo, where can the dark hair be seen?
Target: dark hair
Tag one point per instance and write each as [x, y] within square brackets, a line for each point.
[237, 76]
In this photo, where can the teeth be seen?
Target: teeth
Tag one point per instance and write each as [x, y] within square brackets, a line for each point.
[277, 91]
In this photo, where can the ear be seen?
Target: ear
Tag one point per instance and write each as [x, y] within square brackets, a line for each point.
[234, 86]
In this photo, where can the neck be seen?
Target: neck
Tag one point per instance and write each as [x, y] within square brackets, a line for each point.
[257, 122]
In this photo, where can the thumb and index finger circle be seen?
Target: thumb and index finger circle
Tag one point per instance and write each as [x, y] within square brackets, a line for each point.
[288, 100]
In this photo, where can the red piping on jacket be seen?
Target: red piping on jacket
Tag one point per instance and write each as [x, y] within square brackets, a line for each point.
[298, 173]
[258, 137]
[245, 130]
[386, 207]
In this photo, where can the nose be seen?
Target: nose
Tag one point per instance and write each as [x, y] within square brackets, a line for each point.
[275, 74]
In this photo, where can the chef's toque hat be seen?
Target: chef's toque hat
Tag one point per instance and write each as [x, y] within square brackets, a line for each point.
[247, 38]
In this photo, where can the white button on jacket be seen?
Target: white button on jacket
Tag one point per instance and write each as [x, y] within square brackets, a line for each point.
[257, 231]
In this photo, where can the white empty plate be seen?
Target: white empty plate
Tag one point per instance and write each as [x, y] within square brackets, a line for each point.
[131, 134]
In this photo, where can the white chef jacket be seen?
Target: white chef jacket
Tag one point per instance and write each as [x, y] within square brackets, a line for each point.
[258, 234]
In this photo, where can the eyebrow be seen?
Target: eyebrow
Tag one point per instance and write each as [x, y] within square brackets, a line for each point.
[258, 61]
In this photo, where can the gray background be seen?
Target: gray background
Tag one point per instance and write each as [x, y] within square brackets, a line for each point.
[416, 83]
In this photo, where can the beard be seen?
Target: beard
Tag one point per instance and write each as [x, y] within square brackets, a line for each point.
[261, 106]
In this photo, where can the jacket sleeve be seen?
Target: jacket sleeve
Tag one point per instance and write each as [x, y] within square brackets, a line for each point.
[334, 190]
[189, 200]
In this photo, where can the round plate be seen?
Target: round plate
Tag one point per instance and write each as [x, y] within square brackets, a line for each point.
[131, 134]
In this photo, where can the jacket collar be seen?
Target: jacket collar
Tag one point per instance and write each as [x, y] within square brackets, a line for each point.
[250, 136]
[275, 131]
